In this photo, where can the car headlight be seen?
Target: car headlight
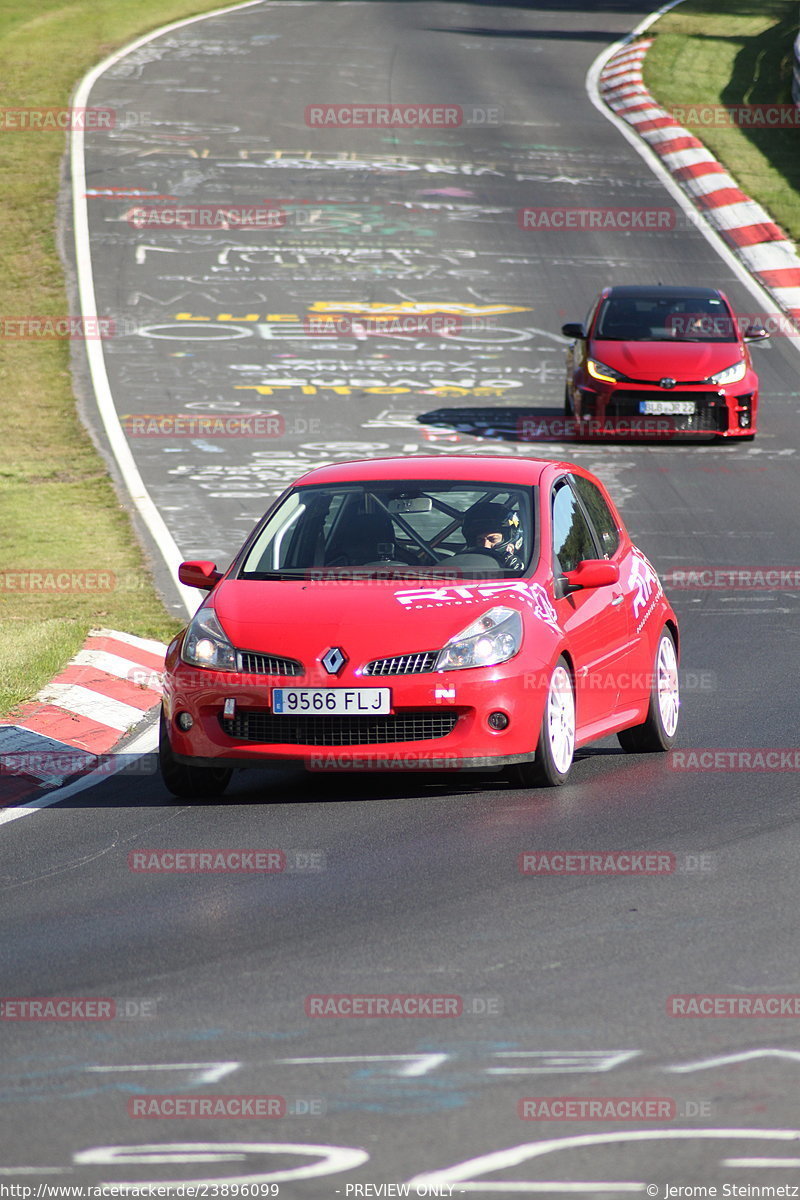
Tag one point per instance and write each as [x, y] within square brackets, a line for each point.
[490, 639]
[599, 370]
[732, 374]
[205, 643]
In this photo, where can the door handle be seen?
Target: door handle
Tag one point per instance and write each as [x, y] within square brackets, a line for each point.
[617, 600]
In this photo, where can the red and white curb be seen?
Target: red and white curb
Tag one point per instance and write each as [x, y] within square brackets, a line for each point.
[744, 225]
[107, 689]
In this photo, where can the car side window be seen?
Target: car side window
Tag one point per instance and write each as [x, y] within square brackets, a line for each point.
[572, 536]
[599, 513]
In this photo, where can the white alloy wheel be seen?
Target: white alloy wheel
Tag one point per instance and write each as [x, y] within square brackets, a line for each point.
[667, 684]
[560, 719]
[657, 731]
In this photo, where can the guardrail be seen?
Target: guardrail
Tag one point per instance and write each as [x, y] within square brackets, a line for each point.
[796, 75]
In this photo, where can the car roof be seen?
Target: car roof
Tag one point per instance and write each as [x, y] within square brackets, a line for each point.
[482, 468]
[669, 292]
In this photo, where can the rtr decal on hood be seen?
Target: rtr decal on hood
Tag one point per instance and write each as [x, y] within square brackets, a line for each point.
[465, 593]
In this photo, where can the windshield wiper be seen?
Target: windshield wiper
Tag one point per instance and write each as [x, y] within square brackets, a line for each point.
[711, 341]
[390, 572]
[297, 574]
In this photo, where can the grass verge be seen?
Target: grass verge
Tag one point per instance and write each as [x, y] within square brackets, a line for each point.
[735, 52]
[58, 509]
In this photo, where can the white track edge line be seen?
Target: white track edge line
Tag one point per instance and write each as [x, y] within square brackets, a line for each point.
[756, 289]
[105, 404]
[144, 743]
[103, 397]
[131, 477]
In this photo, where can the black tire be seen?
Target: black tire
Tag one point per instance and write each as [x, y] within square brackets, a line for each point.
[653, 735]
[188, 782]
[545, 770]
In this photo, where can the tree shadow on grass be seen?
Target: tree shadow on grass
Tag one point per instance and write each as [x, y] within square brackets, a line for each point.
[762, 74]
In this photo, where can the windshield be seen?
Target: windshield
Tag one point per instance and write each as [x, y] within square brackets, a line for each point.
[396, 529]
[659, 317]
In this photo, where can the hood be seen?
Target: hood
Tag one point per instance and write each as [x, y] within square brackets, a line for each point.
[373, 619]
[682, 361]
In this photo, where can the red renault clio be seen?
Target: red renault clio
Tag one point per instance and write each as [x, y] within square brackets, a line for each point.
[414, 613]
[661, 361]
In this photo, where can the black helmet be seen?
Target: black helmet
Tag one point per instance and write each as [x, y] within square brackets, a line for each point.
[486, 517]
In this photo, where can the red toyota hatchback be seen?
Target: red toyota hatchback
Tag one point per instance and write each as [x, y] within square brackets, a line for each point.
[657, 361]
[423, 613]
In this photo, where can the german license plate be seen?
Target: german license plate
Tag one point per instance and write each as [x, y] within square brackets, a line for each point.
[667, 408]
[333, 702]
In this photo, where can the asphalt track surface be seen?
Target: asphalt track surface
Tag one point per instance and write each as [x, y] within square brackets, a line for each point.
[417, 888]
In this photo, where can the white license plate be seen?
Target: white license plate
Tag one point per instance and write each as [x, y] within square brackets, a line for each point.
[331, 702]
[667, 408]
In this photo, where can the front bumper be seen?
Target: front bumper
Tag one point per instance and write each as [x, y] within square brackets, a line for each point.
[717, 411]
[437, 720]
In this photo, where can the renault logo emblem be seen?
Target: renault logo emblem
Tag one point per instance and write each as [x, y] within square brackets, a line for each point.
[666, 382]
[333, 660]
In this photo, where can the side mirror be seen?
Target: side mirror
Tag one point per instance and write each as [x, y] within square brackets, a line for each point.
[754, 333]
[573, 330]
[202, 575]
[591, 573]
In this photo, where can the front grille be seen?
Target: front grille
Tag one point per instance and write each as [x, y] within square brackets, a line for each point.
[253, 663]
[403, 664]
[711, 415]
[263, 726]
